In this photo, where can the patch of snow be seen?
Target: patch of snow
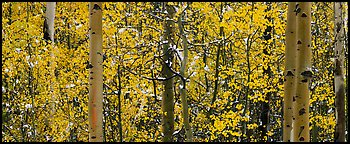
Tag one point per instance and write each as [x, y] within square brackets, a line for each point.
[206, 68]
[176, 132]
[164, 42]
[330, 110]
[194, 73]
[70, 85]
[181, 86]
[18, 50]
[31, 65]
[222, 82]
[78, 26]
[245, 40]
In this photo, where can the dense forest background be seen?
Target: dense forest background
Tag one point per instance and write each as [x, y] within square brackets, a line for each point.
[235, 71]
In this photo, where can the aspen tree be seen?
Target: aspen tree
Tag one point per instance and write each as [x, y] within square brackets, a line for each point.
[304, 73]
[168, 94]
[95, 77]
[338, 74]
[183, 92]
[290, 72]
[50, 18]
[49, 33]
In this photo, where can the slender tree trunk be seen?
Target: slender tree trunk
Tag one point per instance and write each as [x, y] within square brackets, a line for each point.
[49, 33]
[168, 95]
[217, 64]
[50, 16]
[95, 67]
[301, 131]
[119, 105]
[49, 30]
[290, 72]
[264, 116]
[183, 88]
[338, 74]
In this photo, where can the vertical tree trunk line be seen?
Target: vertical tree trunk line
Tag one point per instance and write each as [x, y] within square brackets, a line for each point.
[30, 80]
[49, 32]
[338, 74]
[290, 72]
[217, 64]
[304, 74]
[120, 126]
[183, 91]
[168, 94]
[264, 116]
[95, 75]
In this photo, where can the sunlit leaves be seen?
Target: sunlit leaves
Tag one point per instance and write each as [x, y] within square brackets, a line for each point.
[132, 38]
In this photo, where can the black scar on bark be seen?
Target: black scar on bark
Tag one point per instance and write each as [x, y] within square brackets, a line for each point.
[289, 73]
[307, 74]
[93, 32]
[297, 9]
[304, 80]
[299, 42]
[301, 138]
[96, 7]
[302, 111]
[338, 27]
[46, 31]
[337, 70]
[93, 137]
[303, 15]
[90, 66]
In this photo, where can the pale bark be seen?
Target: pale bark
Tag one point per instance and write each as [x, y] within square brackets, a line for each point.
[338, 74]
[49, 32]
[168, 94]
[50, 19]
[95, 77]
[183, 88]
[290, 72]
[301, 131]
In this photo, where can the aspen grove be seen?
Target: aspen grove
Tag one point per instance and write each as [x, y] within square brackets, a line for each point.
[174, 71]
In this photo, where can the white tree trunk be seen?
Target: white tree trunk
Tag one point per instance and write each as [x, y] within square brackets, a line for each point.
[96, 73]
